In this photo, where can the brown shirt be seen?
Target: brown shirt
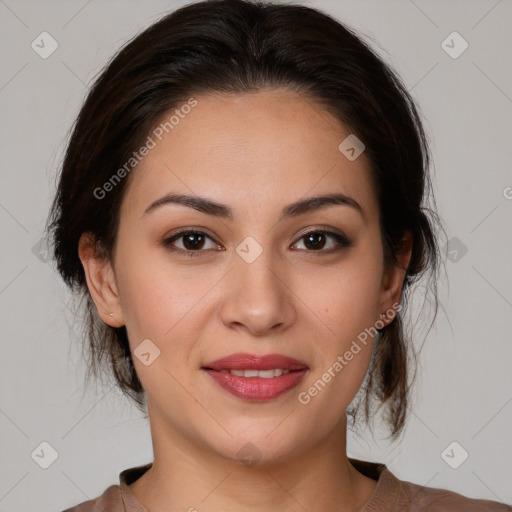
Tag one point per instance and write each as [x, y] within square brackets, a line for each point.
[390, 495]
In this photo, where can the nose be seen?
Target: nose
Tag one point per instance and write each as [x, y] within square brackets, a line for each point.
[257, 296]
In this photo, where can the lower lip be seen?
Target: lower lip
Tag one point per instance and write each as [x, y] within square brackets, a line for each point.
[257, 389]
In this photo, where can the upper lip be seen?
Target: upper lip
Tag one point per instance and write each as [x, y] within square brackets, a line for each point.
[255, 362]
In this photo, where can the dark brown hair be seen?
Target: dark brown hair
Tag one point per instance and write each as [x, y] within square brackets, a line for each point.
[239, 46]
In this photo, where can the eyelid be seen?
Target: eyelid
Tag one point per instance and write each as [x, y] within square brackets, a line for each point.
[169, 239]
[342, 240]
[328, 230]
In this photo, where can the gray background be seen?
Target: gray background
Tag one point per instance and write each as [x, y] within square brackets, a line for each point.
[464, 386]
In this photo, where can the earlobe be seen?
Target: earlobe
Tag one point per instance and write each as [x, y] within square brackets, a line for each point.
[393, 278]
[100, 281]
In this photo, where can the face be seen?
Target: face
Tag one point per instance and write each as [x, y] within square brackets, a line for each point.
[292, 288]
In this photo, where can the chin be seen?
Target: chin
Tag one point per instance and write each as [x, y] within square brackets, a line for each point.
[267, 442]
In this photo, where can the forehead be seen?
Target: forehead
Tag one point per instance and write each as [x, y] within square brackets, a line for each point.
[270, 147]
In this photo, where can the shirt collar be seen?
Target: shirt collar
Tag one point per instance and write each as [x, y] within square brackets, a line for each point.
[383, 499]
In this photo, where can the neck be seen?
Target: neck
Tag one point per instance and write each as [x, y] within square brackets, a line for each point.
[185, 476]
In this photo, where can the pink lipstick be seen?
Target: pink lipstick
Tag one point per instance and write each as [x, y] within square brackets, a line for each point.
[256, 378]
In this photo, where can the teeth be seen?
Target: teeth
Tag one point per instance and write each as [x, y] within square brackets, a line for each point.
[253, 373]
[264, 374]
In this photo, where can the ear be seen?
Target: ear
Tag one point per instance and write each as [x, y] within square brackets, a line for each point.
[393, 278]
[100, 281]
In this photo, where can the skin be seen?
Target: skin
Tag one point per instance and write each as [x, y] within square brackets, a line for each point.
[255, 153]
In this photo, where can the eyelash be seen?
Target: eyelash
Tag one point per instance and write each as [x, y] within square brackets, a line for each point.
[343, 242]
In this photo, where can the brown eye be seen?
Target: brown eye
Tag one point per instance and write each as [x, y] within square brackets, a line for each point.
[317, 241]
[192, 242]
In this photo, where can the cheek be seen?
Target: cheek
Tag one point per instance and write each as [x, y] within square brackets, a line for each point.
[146, 287]
[345, 297]
[166, 303]
[349, 312]
[342, 353]
[346, 303]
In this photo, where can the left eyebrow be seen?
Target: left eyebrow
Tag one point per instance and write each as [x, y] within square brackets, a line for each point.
[209, 207]
[310, 204]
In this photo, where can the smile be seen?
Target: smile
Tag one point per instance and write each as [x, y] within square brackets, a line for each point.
[256, 378]
[264, 374]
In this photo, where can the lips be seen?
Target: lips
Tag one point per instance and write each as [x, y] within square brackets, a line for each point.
[252, 362]
[256, 378]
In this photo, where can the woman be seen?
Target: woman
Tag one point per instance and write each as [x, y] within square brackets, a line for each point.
[243, 204]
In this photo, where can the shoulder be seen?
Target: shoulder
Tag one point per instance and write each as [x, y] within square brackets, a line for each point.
[394, 495]
[433, 499]
[111, 500]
